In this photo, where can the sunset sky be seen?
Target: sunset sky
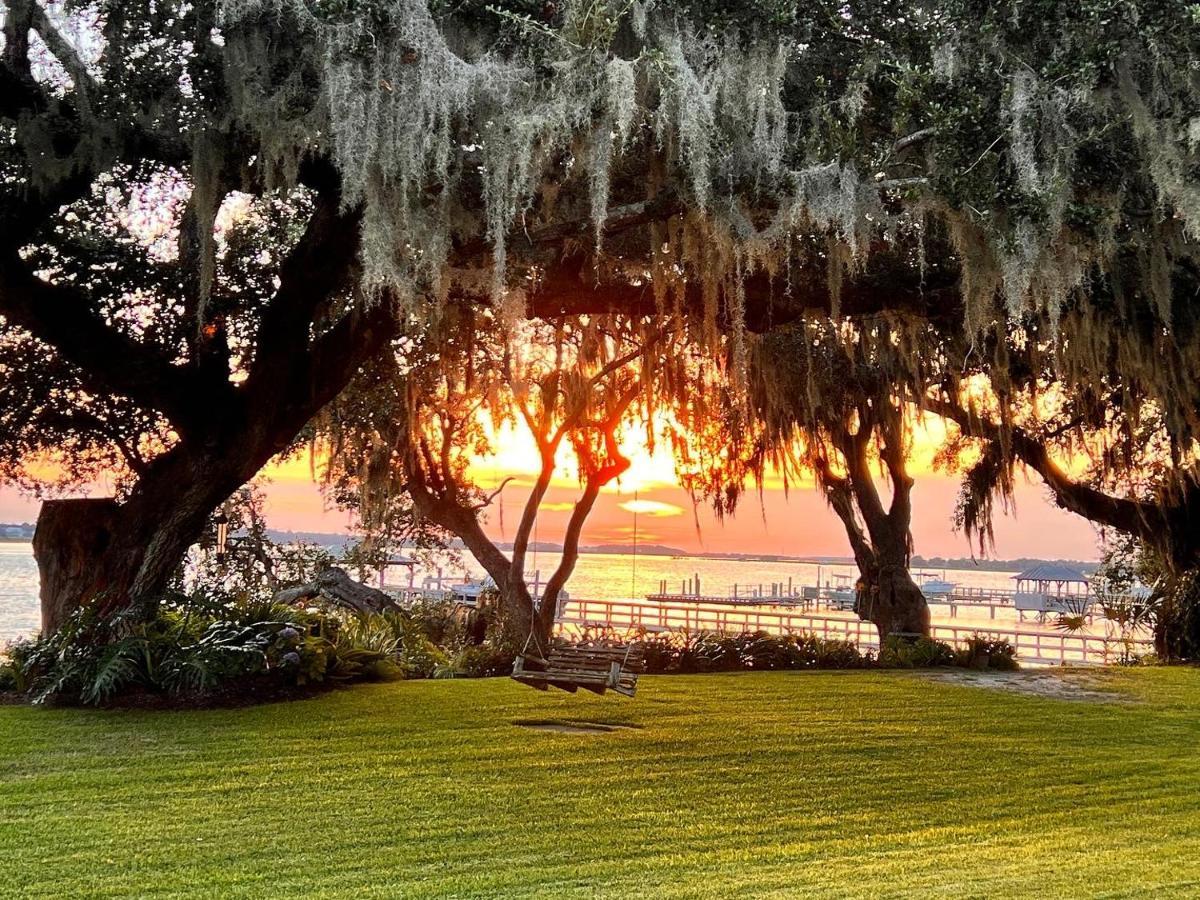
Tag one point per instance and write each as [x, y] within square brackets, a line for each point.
[798, 523]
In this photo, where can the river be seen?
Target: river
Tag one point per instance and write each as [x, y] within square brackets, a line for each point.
[598, 577]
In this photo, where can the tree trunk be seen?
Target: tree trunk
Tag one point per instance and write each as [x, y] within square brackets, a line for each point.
[887, 596]
[336, 586]
[117, 555]
[124, 554]
[892, 601]
[519, 620]
[70, 546]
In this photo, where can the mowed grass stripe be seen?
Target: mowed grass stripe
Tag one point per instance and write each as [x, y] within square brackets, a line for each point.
[842, 784]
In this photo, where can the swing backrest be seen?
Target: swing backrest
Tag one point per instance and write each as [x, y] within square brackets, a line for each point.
[594, 668]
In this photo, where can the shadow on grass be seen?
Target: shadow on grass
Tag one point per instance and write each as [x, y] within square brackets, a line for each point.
[574, 726]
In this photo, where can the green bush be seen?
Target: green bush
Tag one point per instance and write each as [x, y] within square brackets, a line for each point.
[178, 651]
[366, 649]
[193, 647]
[899, 652]
[443, 623]
[482, 661]
[830, 654]
[751, 651]
[986, 653]
[14, 667]
[979, 652]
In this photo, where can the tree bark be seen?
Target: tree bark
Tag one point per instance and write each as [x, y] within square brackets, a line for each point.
[336, 586]
[887, 596]
[226, 433]
[69, 544]
[117, 555]
[139, 546]
[891, 600]
[459, 518]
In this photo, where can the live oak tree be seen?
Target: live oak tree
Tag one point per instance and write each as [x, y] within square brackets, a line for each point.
[735, 166]
[182, 367]
[1014, 411]
[1139, 485]
[413, 427]
[833, 401]
[836, 400]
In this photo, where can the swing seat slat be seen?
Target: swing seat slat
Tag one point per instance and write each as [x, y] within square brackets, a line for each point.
[593, 668]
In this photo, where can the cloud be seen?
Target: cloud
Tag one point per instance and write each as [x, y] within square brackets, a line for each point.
[562, 506]
[655, 508]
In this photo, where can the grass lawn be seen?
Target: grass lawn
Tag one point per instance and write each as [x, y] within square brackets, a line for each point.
[782, 785]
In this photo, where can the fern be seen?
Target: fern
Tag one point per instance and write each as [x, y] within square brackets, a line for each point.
[116, 669]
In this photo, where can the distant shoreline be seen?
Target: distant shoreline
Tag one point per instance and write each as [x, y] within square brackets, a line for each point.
[660, 550]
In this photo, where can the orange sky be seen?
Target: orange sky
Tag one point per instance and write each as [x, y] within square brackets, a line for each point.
[796, 524]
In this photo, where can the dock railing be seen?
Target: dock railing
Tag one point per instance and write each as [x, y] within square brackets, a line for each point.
[828, 598]
[1034, 646]
[726, 618]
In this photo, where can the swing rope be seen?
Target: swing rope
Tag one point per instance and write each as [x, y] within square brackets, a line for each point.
[535, 605]
[633, 567]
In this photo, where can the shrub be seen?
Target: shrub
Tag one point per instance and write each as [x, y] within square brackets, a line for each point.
[366, 649]
[752, 651]
[90, 658]
[14, 667]
[482, 661]
[441, 622]
[899, 652]
[223, 652]
[194, 647]
[986, 653]
[829, 654]
[659, 652]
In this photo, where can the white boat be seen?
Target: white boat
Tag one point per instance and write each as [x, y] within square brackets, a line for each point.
[469, 592]
[842, 595]
[933, 586]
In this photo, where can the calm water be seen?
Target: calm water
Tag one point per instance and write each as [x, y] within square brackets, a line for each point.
[599, 577]
[19, 613]
[621, 576]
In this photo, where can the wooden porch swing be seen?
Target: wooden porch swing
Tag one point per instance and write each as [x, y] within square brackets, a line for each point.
[593, 667]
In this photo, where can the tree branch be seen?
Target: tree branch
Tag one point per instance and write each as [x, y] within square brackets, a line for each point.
[891, 451]
[62, 316]
[488, 498]
[456, 519]
[318, 266]
[841, 501]
[532, 504]
[855, 447]
[567, 289]
[17, 25]
[1130, 516]
[912, 140]
[66, 54]
[617, 465]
